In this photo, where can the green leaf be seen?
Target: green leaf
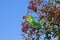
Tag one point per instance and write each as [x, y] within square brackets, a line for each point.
[54, 2]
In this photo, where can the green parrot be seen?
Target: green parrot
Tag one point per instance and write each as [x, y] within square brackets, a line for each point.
[31, 20]
[54, 2]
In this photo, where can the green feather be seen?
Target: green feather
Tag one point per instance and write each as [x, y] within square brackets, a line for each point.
[31, 20]
[35, 22]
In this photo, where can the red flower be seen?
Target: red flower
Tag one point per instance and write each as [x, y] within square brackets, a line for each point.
[58, 8]
[58, 21]
[33, 7]
[25, 26]
[30, 32]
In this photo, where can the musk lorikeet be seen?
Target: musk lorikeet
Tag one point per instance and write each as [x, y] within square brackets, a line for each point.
[31, 20]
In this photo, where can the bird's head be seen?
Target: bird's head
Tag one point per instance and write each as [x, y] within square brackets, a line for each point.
[26, 16]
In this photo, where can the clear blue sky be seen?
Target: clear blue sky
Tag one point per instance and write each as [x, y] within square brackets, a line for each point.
[11, 12]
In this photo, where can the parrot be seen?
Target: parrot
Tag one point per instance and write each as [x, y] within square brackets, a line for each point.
[31, 20]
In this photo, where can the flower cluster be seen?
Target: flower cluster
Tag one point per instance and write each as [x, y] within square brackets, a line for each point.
[48, 19]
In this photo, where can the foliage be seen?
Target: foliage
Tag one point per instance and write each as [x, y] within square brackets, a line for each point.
[48, 21]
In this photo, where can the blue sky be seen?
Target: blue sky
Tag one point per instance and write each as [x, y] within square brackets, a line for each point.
[11, 12]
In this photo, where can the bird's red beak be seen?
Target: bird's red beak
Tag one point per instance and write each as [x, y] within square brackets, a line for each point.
[23, 17]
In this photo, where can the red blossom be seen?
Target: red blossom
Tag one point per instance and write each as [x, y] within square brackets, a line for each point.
[33, 4]
[58, 9]
[30, 32]
[25, 26]
[34, 8]
[58, 21]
